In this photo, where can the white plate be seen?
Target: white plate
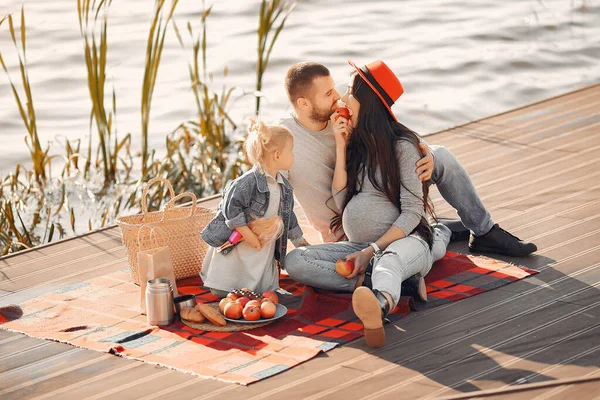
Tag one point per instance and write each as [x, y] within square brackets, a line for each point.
[279, 312]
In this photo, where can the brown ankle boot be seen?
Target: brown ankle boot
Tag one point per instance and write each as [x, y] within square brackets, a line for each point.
[371, 306]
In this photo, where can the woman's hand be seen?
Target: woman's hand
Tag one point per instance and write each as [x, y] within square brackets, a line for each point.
[425, 164]
[303, 243]
[340, 128]
[361, 261]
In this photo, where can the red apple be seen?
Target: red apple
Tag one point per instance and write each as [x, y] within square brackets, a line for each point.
[343, 112]
[271, 296]
[251, 313]
[243, 300]
[223, 303]
[344, 267]
[267, 309]
[233, 310]
[233, 296]
[254, 303]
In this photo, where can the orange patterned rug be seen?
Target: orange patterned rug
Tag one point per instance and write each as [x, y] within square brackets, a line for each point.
[102, 314]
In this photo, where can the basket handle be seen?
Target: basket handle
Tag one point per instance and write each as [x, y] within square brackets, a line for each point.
[147, 187]
[152, 229]
[171, 204]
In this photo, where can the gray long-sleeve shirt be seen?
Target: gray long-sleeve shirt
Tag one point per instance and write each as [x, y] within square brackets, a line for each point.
[369, 214]
[312, 177]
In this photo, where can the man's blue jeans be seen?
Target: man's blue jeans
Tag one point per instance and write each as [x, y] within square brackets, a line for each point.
[456, 188]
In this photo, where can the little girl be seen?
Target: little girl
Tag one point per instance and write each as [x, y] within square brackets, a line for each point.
[261, 192]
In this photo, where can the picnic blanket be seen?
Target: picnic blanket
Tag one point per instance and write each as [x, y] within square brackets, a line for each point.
[102, 314]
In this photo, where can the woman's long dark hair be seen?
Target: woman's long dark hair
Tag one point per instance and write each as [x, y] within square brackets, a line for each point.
[371, 147]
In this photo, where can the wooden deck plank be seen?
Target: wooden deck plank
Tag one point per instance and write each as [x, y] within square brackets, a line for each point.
[441, 321]
[430, 354]
[121, 375]
[483, 360]
[535, 170]
[571, 358]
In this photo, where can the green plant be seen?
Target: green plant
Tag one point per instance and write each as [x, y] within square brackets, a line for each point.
[270, 12]
[39, 156]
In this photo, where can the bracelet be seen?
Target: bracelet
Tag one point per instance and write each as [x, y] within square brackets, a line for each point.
[375, 247]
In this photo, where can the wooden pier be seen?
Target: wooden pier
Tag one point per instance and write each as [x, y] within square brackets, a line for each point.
[537, 169]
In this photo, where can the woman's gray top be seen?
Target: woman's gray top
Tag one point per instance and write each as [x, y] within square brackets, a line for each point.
[369, 214]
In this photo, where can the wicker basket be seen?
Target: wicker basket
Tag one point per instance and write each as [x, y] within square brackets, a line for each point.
[181, 227]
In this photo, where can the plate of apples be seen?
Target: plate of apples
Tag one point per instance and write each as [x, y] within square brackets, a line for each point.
[245, 306]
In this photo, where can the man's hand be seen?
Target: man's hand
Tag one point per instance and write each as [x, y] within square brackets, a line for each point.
[361, 261]
[425, 164]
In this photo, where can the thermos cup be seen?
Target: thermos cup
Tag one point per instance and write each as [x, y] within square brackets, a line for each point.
[159, 302]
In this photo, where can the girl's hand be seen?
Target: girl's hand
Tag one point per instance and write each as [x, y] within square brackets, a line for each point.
[252, 241]
[249, 237]
[361, 261]
[340, 128]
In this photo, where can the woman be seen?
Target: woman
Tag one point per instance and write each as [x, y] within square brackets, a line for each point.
[383, 205]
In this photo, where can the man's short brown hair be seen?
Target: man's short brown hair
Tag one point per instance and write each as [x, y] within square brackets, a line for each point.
[300, 77]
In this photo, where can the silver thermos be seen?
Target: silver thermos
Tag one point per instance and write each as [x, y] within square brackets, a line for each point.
[159, 302]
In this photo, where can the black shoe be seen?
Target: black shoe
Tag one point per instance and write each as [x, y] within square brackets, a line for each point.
[459, 232]
[415, 288]
[499, 241]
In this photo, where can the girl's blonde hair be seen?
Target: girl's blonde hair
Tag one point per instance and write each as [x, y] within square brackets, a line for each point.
[263, 139]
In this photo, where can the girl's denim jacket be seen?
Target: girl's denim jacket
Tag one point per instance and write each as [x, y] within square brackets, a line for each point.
[245, 199]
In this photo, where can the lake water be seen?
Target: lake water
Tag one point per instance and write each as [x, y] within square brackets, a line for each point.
[458, 60]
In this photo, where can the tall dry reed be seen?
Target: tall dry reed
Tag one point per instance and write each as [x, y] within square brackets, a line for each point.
[154, 48]
[270, 12]
[39, 156]
[94, 33]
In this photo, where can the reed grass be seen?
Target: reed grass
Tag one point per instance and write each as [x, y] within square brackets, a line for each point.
[95, 51]
[216, 158]
[154, 48]
[201, 153]
[38, 155]
[270, 12]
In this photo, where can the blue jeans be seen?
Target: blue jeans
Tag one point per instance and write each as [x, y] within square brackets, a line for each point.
[315, 265]
[456, 188]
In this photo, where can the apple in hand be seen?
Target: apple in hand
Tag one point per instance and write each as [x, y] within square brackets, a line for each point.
[344, 112]
[271, 296]
[224, 301]
[344, 267]
[251, 313]
[268, 309]
[233, 310]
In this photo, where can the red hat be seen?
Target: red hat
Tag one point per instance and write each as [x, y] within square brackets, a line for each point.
[383, 82]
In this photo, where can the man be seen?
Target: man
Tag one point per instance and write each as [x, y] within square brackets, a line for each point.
[311, 91]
